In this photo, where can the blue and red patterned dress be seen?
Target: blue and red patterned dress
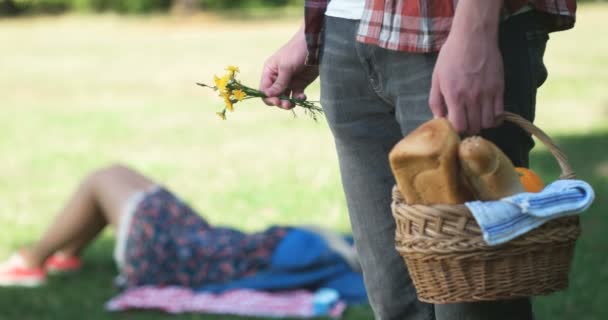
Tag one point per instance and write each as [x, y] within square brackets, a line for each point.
[168, 243]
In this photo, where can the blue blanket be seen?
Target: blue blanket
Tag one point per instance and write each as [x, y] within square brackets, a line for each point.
[303, 259]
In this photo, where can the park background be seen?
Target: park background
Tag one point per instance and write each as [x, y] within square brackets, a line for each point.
[85, 83]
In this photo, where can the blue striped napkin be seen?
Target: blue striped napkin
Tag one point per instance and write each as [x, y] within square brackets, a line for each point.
[507, 218]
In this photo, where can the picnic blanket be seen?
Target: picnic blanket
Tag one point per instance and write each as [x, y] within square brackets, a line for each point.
[303, 263]
[241, 302]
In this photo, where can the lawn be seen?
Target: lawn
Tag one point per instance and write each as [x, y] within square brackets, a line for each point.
[80, 92]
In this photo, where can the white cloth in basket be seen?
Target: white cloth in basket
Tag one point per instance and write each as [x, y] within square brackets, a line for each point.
[507, 218]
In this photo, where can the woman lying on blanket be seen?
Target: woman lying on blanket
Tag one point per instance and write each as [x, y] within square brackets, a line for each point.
[160, 239]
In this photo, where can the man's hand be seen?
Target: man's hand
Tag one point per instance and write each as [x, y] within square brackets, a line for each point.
[285, 74]
[468, 78]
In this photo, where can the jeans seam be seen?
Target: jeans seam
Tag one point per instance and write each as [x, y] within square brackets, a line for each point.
[369, 66]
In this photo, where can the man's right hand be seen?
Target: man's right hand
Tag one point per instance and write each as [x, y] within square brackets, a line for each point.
[285, 73]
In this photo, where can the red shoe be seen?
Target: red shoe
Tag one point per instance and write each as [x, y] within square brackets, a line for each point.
[59, 263]
[13, 272]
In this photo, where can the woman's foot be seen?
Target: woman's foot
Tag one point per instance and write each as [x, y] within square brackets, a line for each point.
[17, 272]
[62, 263]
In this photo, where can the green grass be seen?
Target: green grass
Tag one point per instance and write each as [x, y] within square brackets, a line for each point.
[80, 92]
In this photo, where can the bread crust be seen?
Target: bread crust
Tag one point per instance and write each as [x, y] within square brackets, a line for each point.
[489, 173]
[425, 165]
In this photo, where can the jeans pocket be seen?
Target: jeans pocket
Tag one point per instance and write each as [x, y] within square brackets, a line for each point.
[537, 43]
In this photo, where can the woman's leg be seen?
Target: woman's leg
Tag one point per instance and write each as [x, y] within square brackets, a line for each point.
[98, 201]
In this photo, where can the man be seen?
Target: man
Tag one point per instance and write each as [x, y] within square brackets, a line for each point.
[386, 66]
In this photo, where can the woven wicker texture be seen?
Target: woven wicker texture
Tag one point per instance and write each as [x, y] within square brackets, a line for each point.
[449, 262]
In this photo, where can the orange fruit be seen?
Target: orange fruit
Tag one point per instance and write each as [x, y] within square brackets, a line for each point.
[530, 180]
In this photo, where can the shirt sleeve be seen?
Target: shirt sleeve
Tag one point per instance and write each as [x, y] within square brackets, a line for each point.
[314, 16]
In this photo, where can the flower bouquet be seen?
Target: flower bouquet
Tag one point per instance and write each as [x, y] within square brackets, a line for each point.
[233, 91]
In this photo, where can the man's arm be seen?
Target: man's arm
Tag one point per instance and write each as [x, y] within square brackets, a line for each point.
[468, 80]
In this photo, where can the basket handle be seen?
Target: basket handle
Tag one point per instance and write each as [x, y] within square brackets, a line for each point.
[567, 172]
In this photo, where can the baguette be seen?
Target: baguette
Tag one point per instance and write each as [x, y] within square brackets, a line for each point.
[488, 171]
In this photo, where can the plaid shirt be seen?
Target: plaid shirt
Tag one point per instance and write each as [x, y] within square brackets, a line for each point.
[418, 26]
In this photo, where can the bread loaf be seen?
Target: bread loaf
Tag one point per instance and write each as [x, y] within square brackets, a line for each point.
[488, 171]
[425, 165]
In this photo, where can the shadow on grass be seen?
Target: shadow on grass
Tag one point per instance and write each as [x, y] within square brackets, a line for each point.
[588, 292]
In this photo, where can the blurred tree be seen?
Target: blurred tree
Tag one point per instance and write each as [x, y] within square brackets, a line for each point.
[15, 7]
[235, 4]
[184, 6]
[8, 8]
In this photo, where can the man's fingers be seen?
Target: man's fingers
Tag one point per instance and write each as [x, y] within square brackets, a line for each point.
[456, 112]
[278, 102]
[285, 104]
[266, 81]
[499, 108]
[488, 119]
[280, 84]
[499, 104]
[274, 101]
[298, 94]
[436, 100]
[473, 113]
[458, 119]
[267, 78]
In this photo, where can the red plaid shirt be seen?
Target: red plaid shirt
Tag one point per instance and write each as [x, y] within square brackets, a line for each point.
[419, 26]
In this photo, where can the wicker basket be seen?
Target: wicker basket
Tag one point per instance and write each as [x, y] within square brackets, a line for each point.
[449, 261]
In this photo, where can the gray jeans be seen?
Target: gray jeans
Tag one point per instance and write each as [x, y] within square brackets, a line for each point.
[373, 97]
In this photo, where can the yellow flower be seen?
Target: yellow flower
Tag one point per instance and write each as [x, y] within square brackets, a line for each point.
[220, 83]
[228, 103]
[222, 114]
[239, 94]
[232, 70]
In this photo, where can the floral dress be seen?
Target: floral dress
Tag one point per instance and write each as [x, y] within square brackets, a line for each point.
[168, 243]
